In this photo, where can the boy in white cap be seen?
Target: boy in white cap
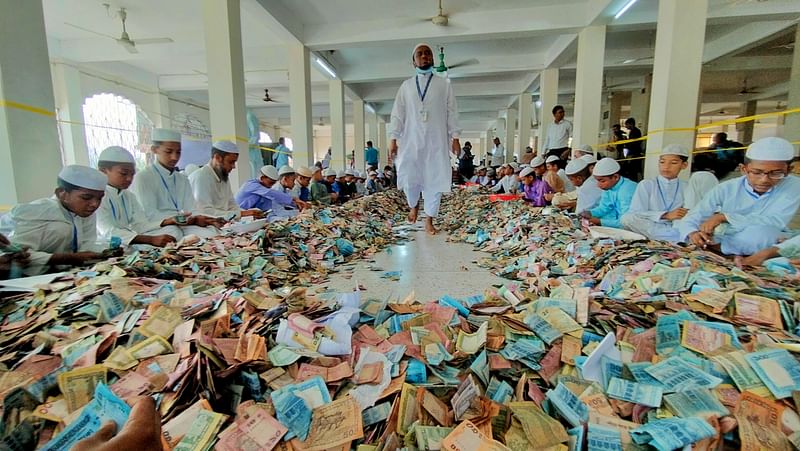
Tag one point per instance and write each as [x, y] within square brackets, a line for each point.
[286, 179]
[579, 172]
[260, 194]
[617, 194]
[750, 213]
[61, 230]
[165, 193]
[535, 190]
[373, 185]
[658, 203]
[425, 120]
[301, 190]
[120, 214]
[321, 191]
[509, 184]
[210, 185]
[361, 188]
[551, 176]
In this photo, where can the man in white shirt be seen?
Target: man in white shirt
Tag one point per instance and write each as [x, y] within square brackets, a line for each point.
[120, 214]
[498, 154]
[558, 134]
[166, 193]
[210, 185]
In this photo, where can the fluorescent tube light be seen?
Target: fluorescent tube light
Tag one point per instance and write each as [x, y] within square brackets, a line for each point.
[324, 65]
[624, 8]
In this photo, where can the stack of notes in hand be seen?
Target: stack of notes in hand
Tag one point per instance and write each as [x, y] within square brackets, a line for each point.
[591, 344]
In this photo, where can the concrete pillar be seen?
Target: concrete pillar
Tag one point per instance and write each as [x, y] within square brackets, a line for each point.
[792, 123]
[358, 134]
[615, 110]
[480, 149]
[383, 149]
[511, 131]
[163, 118]
[336, 93]
[487, 147]
[745, 129]
[500, 132]
[548, 95]
[676, 76]
[29, 149]
[300, 105]
[640, 103]
[589, 84]
[69, 102]
[525, 110]
[225, 66]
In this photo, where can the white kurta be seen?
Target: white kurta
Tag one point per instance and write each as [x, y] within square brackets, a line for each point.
[47, 228]
[163, 194]
[589, 195]
[212, 196]
[653, 199]
[754, 222]
[498, 155]
[568, 186]
[121, 215]
[509, 183]
[425, 133]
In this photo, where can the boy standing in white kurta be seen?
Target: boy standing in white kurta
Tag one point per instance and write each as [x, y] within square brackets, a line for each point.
[425, 120]
[120, 214]
[166, 193]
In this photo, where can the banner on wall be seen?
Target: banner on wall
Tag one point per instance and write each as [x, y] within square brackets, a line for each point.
[194, 151]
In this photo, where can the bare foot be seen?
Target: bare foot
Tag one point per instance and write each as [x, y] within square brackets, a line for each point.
[412, 215]
[429, 226]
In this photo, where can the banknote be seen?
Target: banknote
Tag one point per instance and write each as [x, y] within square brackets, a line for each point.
[174, 429]
[480, 366]
[602, 438]
[542, 329]
[701, 403]
[778, 369]
[120, 359]
[408, 408]
[153, 346]
[430, 437]
[541, 430]
[202, 433]
[78, 386]
[162, 322]
[639, 373]
[568, 405]
[431, 405]
[294, 403]
[110, 306]
[702, 339]
[668, 330]
[561, 321]
[741, 373]
[466, 392]
[646, 395]
[255, 431]
[675, 374]
[610, 368]
[760, 424]
[499, 391]
[757, 310]
[467, 437]
[472, 343]
[672, 433]
[376, 413]
[104, 407]
[334, 424]
[569, 306]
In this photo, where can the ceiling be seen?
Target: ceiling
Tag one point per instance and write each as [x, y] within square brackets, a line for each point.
[368, 42]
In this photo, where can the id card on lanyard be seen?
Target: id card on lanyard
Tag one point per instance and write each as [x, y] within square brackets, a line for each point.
[423, 112]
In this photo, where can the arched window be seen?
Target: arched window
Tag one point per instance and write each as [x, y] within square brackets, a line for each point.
[112, 120]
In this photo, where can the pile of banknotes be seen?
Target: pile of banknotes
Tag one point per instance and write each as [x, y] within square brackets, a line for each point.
[591, 344]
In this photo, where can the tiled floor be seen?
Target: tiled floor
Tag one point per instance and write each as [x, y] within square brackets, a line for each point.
[429, 266]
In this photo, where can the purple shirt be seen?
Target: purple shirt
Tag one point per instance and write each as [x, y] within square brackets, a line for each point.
[255, 195]
[534, 193]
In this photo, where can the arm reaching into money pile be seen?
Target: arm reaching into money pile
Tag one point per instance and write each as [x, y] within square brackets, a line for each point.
[141, 432]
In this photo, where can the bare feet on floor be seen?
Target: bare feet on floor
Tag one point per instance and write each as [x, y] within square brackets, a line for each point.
[429, 226]
[412, 215]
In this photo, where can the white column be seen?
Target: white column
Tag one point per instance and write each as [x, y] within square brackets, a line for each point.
[589, 84]
[372, 121]
[163, 118]
[383, 149]
[300, 105]
[487, 147]
[676, 76]
[548, 95]
[358, 132]
[511, 131]
[640, 103]
[69, 101]
[792, 123]
[525, 109]
[745, 129]
[29, 150]
[336, 93]
[225, 67]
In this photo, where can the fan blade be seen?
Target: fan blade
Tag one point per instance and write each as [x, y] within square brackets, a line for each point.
[469, 62]
[90, 31]
[154, 41]
[129, 45]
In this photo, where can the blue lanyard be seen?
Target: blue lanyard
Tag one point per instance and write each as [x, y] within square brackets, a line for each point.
[164, 182]
[124, 207]
[674, 196]
[422, 93]
[74, 233]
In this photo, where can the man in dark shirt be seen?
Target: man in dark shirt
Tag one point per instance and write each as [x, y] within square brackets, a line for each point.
[633, 168]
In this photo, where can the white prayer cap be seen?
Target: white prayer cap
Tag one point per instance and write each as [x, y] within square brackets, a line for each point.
[349, 172]
[514, 166]
[270, 172]
[305, 172]
[116, 154]
[371, 173]
[605, 167]
[770, 149]
[226, 146]
[675, 149]
[340, 174]
[165, 134]
[481, 168]
[537, 161]
[421, 44]
[329, 172]
[551, 159]
[191, 167]
[575, 166]
[589, 159]
[526, 172]
[587, 149]
[285, 170]
[84, 177]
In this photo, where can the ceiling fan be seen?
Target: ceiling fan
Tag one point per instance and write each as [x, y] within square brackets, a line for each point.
[124, 39]
[442, 67]
[440, 19]
[748, 90]
[267, 98]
